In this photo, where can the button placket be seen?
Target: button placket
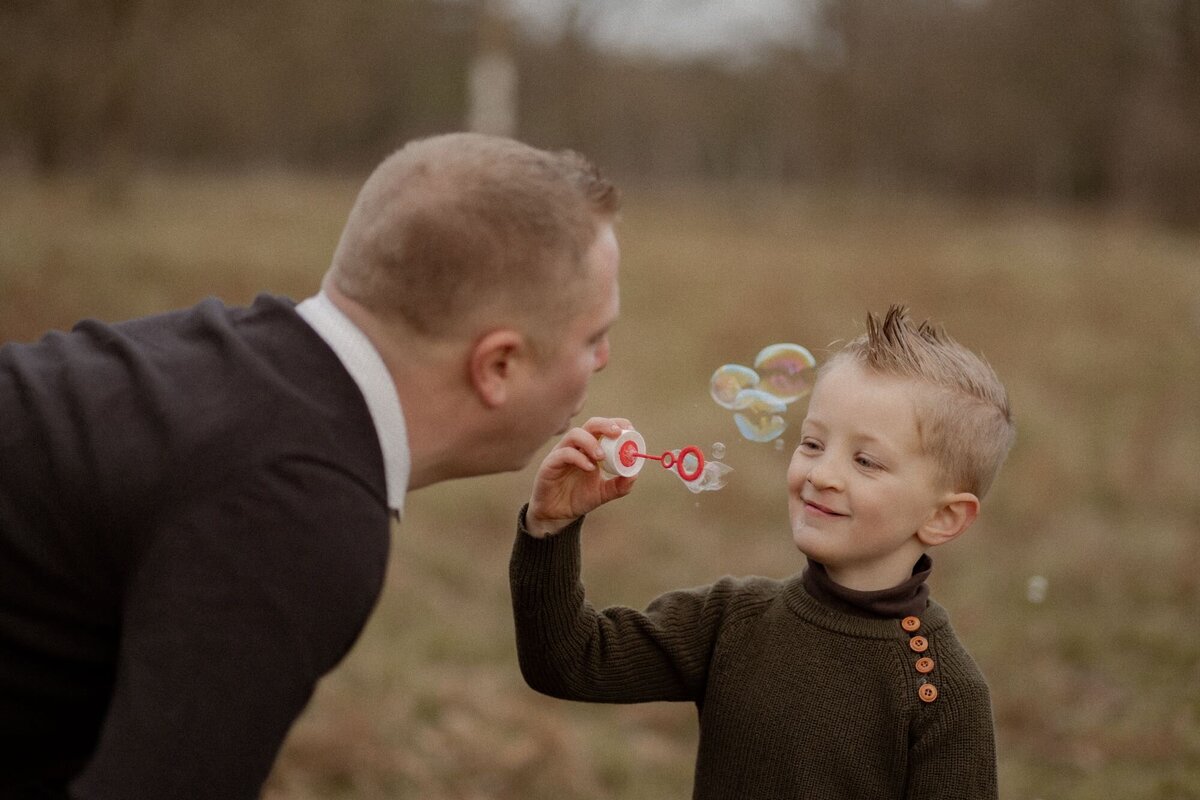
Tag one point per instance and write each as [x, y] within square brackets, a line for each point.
[927, 692]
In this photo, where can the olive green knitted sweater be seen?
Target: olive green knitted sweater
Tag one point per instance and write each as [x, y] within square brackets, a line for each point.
[795, 700]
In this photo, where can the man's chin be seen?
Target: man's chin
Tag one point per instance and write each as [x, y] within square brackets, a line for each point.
[568, 423]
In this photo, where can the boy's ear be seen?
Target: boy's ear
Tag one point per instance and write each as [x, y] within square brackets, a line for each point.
[494, 365]
[950, 520]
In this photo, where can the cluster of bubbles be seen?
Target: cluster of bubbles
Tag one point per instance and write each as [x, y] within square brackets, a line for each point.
[782, 374]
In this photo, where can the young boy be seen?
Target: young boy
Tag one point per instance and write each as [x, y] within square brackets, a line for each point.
[846, 680]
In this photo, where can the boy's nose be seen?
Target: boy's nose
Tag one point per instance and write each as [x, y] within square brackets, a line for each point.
[823, 475]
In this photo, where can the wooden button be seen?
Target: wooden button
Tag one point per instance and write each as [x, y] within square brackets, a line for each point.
[911, 624]
[928, 692]
[924, 665]
[919, 644]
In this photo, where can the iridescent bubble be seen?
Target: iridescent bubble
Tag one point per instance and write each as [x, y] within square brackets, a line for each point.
[786, 371]
[718, 450]
[728, 381]
[758, 418]
[712, 479]
[760, 429]
[779, 444]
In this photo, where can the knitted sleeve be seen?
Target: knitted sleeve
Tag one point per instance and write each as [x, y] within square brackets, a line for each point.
[568, 649]
[953, 748]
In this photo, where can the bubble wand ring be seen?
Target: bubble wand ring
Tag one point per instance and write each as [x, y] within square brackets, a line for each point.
[691, 453]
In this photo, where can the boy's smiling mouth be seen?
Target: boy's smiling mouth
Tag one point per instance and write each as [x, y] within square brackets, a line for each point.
[824, 511]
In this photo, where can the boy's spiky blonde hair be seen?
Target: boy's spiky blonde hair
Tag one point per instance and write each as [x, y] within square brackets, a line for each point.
[965, 421]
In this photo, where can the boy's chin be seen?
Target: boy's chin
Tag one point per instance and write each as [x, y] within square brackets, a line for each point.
[805, 546]
[807, 552]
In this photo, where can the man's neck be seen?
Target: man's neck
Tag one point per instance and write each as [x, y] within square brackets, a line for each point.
[430, 384]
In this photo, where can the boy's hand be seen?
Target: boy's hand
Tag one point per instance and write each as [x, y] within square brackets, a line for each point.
[569, 482]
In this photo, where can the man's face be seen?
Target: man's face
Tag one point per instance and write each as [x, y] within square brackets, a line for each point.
[557, 390]
[860, 484]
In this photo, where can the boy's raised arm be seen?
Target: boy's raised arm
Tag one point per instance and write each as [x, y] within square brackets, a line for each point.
[569, 649]
[566, 647]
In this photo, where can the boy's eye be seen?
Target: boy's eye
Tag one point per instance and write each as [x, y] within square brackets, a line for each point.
[866, 463]
[809, 446]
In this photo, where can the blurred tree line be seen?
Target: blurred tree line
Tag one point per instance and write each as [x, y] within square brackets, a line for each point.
[1090, 100]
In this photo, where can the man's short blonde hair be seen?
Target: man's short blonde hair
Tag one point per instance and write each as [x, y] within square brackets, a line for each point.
[453, 227]
[965, 421]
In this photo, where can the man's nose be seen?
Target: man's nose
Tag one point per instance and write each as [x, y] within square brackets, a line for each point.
[602, 353]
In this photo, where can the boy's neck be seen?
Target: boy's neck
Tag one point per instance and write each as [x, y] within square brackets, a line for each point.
[909, 597]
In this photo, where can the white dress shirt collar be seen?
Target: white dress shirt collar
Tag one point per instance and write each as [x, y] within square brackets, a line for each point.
[366, 367]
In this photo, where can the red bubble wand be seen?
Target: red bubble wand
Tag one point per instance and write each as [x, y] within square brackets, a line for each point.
[689, 455]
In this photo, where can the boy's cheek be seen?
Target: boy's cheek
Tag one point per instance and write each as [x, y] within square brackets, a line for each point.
[795, 476]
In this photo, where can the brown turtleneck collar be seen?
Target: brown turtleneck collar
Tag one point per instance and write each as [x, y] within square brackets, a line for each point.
[909, 597]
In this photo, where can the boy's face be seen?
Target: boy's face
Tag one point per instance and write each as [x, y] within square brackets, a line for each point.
[860, 486]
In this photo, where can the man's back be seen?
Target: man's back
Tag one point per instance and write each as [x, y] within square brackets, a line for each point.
[164, 571]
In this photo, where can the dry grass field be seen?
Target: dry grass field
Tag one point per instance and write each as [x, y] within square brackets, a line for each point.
[1092, 320]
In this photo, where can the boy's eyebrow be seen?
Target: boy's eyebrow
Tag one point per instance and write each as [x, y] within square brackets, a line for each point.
[872, 439]
[810, 420]
[856, 436]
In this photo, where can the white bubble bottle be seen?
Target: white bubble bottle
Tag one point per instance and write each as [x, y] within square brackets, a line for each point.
[621, 454]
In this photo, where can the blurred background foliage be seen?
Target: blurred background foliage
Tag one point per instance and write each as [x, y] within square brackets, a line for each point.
[1027, 172]
[1091, 100]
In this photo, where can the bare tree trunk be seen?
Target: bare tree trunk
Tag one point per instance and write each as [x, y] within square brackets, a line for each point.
[492, 76]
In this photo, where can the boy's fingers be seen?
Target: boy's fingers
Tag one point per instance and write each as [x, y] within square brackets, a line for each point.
[576, 456]
[622, 486]
[582, 441]
[607, 426]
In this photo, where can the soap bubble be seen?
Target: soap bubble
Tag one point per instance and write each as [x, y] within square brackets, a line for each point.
[728, 381]
[711, 479]
[718, 450]
[786, 371]
[756, 401]
[759, 415]
[760, 429]
[779, 444]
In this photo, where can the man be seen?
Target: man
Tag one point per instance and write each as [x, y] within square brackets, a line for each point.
[194, 507]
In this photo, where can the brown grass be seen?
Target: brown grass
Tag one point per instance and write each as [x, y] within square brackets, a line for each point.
[1092, 320]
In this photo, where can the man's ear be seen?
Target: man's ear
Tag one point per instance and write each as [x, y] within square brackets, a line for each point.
[494, 364]
[950, 520]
